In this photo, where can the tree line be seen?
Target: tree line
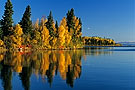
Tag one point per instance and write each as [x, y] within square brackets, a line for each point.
[43, 34]
[98, 41]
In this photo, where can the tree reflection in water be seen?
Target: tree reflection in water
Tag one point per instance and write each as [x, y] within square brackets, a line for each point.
[44, 63]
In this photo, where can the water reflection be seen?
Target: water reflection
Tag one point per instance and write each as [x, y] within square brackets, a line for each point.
[46, 64]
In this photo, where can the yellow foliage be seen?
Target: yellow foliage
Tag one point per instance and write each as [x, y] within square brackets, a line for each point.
[45, 63]
[45, 36]
[1, 43]
[16, 38]
[1, 57]
[64, 36]
[54, 41]
[18, 30]
[18, 69]
[34, 41]
[62, 63]
[63, 22]
[61, 38]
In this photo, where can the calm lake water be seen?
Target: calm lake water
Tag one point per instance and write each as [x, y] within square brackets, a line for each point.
[95, 68]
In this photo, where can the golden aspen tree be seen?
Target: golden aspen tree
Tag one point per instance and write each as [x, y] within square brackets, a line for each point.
[61, 36]
[64, 37]
[16, 38]
[45, 37]
[67, 34]
[67, 38]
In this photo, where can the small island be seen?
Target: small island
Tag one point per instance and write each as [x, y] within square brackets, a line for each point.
[45, 33]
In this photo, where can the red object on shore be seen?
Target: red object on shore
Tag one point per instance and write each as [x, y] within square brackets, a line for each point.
[22, 46]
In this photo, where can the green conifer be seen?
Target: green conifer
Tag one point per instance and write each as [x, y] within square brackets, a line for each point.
[7, 21]
[26, 22]
[70, 17]
[56, 26]
[49, 25]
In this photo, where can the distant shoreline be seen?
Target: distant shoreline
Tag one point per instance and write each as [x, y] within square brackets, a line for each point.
[109, 46]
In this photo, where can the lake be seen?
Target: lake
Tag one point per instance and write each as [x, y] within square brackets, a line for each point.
[94, 68]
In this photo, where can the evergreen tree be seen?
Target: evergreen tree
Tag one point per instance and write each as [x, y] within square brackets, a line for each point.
[7, 21]
[49, 25]
[70, 18]
[26, 22]
[56, 26]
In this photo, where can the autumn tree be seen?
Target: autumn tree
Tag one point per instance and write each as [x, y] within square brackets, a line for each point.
[16, 38]
[44, 34]
[63, 34]
[26, 22]
[7, 21]
[45, 37]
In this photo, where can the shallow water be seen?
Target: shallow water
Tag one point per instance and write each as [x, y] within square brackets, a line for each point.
[95, 68]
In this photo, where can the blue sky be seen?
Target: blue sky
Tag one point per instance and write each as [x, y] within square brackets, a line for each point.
[106, 18]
